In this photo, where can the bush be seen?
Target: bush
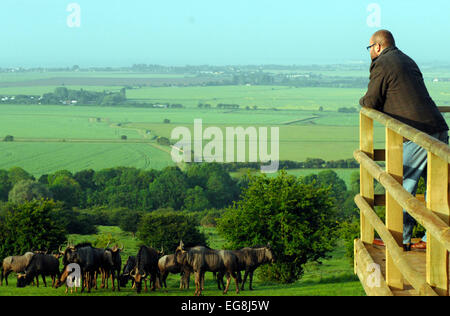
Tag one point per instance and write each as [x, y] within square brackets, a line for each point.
[31, 225]
[211, 217]
[296, 218]
[76, 222]
[165, 228]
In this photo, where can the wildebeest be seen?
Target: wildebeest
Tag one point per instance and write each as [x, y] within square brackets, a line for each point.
[89, 259]
[40, 264]
[249, 259]
[168, 264]
[146, 265]
[127, 270]
[201, 259]
[14, 264]
[112, 256]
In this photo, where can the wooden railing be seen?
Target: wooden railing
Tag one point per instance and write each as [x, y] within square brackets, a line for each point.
[434, 216]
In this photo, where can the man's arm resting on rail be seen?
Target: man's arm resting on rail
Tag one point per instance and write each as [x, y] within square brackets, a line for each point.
[376, 91]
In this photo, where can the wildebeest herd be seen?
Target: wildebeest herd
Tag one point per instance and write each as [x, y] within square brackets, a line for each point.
[149, 265]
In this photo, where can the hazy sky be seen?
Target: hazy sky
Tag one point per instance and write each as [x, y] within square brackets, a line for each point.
[179, 32]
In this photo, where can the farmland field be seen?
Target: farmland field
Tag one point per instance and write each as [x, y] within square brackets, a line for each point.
[45, 136]
[333, 277]
[344, 174]
[48, 138]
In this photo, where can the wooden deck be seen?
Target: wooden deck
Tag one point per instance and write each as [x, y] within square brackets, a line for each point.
[371, 254]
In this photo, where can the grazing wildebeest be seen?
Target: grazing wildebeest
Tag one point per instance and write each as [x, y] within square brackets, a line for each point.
[201, 259]
[146, 265]
[168, 264]
[40, 264]
[250, 259]
[111, 265]
[89, 259]
[127, 270]
[14, 264]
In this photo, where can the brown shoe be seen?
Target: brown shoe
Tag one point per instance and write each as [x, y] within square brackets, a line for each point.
[421, 245]
[378, 242]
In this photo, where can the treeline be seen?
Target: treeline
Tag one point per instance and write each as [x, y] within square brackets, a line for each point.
[120, 196]
[65, 96]
[310, 163]
[197, 188]
[83, 97]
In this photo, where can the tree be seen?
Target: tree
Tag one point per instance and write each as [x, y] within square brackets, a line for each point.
[5, 185]
[65, 188]
[196, 200]
[17, 174]
[61, 93]
[128, 220]
[296, 218]
[165, 228]
[31, 225]
[169, 189]
[28, 190]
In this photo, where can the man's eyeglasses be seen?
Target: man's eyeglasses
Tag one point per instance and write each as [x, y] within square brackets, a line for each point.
[369, 47]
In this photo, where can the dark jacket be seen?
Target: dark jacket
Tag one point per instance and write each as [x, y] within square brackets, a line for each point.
[397, 88]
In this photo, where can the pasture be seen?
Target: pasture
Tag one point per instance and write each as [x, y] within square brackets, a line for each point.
[333, 277]
[51, 138]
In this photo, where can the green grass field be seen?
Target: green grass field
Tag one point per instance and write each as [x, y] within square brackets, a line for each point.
[344, 174]
[305, 132]
[333, 277]
[45, 135]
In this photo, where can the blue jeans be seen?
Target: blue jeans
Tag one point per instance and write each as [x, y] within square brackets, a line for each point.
[415, 166]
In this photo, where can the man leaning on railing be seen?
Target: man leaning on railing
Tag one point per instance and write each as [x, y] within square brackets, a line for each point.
[397, 88]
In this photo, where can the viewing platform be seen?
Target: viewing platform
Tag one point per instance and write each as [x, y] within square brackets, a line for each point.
[389, 270]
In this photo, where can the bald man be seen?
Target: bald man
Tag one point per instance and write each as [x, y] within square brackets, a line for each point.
[397, 88]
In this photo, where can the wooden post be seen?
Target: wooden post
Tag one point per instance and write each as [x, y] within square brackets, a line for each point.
[394, 212]
[366, 180]
[437, 201]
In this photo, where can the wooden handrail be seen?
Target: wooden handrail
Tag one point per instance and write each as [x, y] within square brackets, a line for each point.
[435, 225]
[418, 282]
[422, 139]
[434, 216]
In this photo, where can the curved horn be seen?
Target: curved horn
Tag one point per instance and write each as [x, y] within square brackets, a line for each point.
[122, 248]
[109, 241]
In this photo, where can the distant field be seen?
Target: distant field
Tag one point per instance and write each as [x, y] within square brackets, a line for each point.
[281, 97]
[303, 134]
[44, 158]
[344, 174]
[28, 76]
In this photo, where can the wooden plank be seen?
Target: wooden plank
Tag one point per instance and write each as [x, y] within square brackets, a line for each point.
[380, 199]
[369, 272]
[398, 256]
[394, 212]
[417, 209]
[366, 180]
[437, 201]
[422, 139]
